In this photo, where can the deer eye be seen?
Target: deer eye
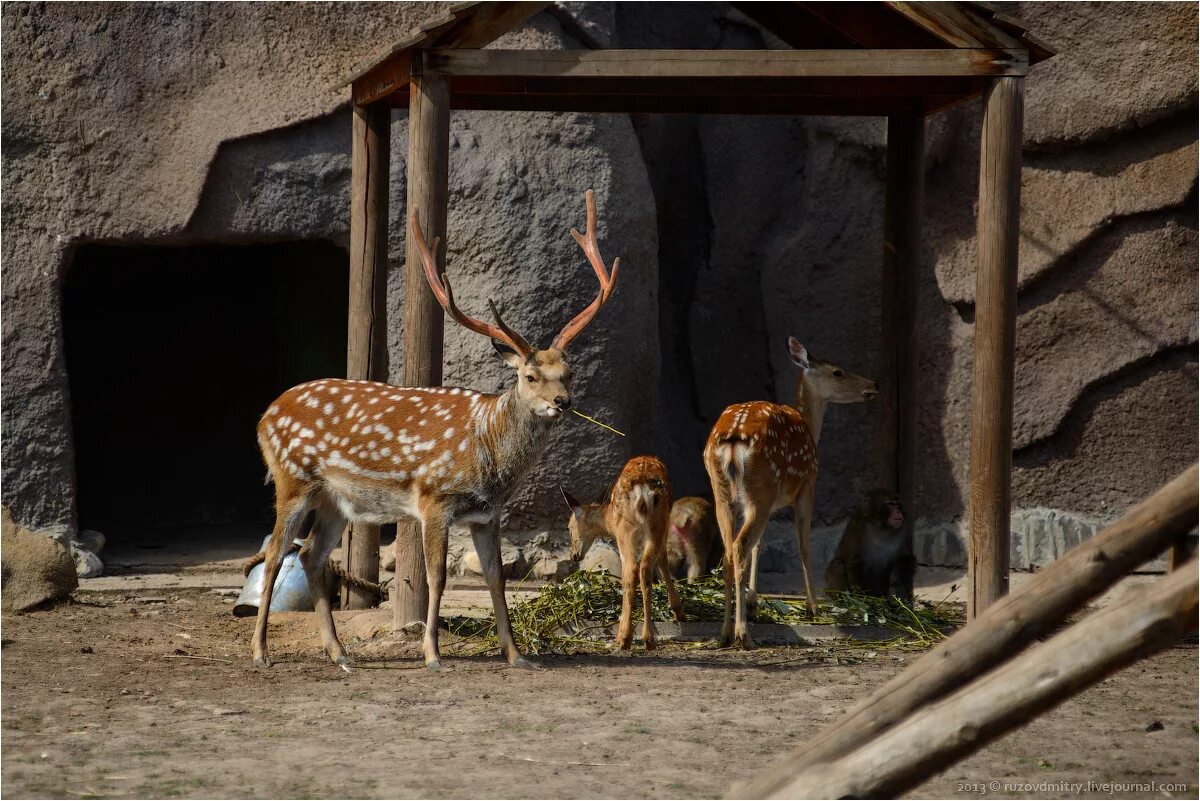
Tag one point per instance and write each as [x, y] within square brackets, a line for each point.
[532, 379]
[838, 374]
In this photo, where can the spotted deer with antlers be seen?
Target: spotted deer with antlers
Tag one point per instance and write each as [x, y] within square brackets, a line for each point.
[762, 457]
[361, 451]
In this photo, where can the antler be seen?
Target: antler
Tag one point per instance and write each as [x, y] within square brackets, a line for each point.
[608, 281]
[445, 296]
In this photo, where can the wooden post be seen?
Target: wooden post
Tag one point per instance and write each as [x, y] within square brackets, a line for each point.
[1002, 631]
[428, 194]
[902, 213]
[366, 339]
[995, 332]
[937, 736]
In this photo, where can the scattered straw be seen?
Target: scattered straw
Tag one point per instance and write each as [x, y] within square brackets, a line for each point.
[578, 413]
[566, 617]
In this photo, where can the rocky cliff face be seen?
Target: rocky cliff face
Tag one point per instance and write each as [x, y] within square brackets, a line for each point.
[204, 123]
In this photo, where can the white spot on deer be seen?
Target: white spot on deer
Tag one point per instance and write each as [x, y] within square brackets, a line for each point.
[306, 433]
[337, 418]
[321, 446]
[328, 409]
[462, 446]
[448, 433]
[273, 410]
[347, 398]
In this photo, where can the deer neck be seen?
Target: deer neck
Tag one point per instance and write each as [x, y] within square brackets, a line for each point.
[812, 408]
[511, 435]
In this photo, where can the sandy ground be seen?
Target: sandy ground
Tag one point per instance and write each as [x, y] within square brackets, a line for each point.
[121, 694]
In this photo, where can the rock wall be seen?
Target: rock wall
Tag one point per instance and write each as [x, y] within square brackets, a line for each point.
[772, 227]
[213, 123]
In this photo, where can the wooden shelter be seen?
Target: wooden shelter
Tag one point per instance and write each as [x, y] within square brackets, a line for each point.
[902, 61]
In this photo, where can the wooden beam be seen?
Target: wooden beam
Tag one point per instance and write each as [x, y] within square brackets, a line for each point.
[686, 104]
[995, 333]
[464, 25]
[902, 213]
[366, 339]
[750, 87]
[642, 64]
[935, 737]
[1004, 629]
[428, 195]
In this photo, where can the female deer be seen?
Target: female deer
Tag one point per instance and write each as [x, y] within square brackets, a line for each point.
[762, 457]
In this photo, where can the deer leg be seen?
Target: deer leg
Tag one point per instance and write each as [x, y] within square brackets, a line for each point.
[803, 515]
[646, 578]
[729, 574]
[435, 536]
[487, 545]
[747, 540]
[723, 508]
[289, 517]
[326, 533]
[672, 594]
[752, 593]
[629, 569]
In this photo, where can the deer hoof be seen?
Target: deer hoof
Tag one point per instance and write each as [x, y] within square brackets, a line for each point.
[524, 664]
[745, 642]
[262, 661]
[435, 666]
[341, 659]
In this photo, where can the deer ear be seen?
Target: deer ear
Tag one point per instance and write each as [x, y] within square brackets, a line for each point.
[798, 353]
[510, 356]
[575, 506]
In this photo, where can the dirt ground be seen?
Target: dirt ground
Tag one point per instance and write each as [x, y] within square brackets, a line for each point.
[119, 695]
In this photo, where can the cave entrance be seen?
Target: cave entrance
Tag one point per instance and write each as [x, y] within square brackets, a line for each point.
[172, 354]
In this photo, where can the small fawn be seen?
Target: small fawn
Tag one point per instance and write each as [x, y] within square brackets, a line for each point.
[762, 457]
[694, 541]
[636, 516]
[361, 451]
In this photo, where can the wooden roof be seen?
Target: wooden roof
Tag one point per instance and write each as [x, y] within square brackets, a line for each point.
[866, 58]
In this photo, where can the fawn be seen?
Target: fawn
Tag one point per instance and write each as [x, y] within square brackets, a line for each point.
[694, 540]
[762, 457]
[636, 516]
[361, 451]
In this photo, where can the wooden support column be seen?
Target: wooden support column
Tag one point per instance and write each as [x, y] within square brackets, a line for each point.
[902, 211]
[428, 176]
[995, 334]
[366, 339]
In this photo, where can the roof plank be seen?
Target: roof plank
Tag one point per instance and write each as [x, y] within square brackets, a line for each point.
[469, 25]
[720, 64]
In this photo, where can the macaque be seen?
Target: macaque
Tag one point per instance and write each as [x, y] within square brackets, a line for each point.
[693, 540]
[873, 550]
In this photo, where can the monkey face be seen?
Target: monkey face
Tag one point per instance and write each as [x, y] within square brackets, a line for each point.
[893, 514]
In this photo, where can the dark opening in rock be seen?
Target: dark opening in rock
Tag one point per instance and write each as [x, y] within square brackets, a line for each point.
[173, 353]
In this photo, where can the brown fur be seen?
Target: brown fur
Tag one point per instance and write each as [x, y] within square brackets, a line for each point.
[871, 548]
[762, 457]
[361, 451]
[636, 515]
[693, 541]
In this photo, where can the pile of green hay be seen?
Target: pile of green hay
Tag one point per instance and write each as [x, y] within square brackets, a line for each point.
[567, 617]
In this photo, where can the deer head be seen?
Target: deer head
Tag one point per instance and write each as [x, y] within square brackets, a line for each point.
[828, 381]
[543, 376]
[586, 525]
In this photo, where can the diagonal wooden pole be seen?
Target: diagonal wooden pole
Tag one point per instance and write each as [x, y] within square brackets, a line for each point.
[1005, 628]
[937, 736]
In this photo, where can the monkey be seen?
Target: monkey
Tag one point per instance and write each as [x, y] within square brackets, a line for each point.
[873, 550]
[693, 540]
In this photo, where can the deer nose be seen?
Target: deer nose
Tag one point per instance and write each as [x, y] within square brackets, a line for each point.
[562, 402]
[872, 391]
